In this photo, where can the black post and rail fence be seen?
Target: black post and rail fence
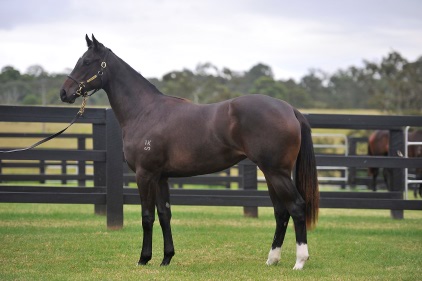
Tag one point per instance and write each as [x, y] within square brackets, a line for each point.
[108, 191]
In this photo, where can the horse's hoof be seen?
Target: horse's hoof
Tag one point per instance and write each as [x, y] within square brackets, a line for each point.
[302, 256]
[143, 261]
[274, 256]
[300, 263]
[166, 261]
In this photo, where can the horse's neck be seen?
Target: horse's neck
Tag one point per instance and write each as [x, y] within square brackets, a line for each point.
[129, 93]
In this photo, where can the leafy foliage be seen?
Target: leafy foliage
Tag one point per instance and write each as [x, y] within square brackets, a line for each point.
[393, 85]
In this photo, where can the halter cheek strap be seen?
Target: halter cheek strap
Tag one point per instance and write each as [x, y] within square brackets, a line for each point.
[81, 90]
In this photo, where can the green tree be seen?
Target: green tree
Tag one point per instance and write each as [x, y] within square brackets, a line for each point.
[8, 73]
[346, 90]
[297, 95]
[394, 84]
[314, 84]
[180, 84]
[266, 85]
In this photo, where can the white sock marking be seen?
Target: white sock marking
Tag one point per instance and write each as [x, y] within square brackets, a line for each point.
[302, 256]
[274, 256]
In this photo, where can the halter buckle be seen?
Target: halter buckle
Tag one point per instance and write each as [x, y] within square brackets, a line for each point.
[81, 87]
[103, 64]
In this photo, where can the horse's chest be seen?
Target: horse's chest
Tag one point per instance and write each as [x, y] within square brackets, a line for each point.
[142, 153]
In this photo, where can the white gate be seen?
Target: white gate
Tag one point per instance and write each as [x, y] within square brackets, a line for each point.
[407, 143]
[344, 145]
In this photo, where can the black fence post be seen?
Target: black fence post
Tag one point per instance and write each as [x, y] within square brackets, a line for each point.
[395, 180]
[114, 168]
[42, 170]
[227, 172]
[64, 170]
[352, 170]
[81, 164]
[249, 181]
[99, 143]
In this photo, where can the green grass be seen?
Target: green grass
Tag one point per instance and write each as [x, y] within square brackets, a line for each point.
[68, 242]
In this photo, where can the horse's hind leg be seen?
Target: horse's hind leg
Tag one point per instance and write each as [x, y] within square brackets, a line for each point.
[295, 205]
[164, 215]
[374, 172]
[282, 217]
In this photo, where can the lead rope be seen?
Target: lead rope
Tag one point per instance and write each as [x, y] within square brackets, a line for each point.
[82, 109]
[79, 114]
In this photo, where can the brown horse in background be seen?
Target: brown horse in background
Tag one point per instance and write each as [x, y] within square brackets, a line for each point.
[378, 145]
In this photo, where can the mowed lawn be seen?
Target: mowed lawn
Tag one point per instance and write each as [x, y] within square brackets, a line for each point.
[69, 242]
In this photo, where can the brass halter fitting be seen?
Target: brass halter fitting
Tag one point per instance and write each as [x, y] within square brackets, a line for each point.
[81, 87]
[81, 90]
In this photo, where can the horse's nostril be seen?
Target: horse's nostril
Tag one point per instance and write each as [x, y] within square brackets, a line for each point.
[63, 94]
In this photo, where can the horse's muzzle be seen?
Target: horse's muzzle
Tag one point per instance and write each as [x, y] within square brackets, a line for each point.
[65, 98]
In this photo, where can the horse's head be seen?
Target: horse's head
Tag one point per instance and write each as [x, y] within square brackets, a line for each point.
[87, 74]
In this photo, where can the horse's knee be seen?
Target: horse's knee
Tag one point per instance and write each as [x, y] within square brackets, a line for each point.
[147, 222]
[164, 218]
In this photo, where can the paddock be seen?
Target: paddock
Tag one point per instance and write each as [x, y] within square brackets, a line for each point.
[66, 241]
[109, 193]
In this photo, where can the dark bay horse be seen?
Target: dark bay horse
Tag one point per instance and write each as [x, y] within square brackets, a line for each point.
[165, 136]
[378, 145]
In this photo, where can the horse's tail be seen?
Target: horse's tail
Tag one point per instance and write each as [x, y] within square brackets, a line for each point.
[306, 173]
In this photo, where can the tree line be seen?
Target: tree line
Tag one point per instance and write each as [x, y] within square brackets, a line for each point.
[393, 85]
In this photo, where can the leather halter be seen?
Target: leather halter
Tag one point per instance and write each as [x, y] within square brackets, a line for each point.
[81, 90]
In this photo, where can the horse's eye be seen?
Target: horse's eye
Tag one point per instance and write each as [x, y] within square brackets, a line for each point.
[86, 62]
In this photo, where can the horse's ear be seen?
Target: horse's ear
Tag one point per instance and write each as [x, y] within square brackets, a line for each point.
[88, 41]
[95, 42]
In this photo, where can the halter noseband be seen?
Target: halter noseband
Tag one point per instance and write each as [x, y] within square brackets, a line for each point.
[81, 90]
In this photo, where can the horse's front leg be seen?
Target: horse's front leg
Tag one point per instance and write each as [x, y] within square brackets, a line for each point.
[147, 190]
[164, 215]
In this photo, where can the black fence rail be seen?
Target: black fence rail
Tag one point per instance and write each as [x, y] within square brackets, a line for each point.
[42, 166]
[109, 195]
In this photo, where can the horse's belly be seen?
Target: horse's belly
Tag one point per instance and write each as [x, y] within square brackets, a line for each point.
[193, 166]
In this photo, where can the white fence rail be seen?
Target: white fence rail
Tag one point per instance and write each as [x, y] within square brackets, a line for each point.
[407, 143]
[343, 145]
